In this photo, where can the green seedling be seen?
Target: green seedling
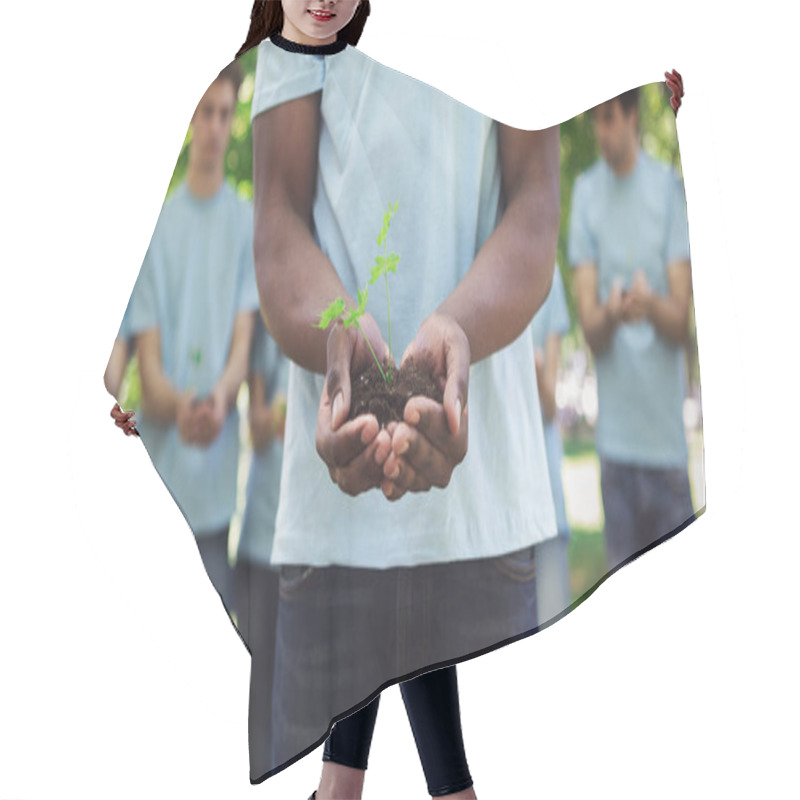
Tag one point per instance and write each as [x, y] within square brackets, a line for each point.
[383, 266]
[338, 308]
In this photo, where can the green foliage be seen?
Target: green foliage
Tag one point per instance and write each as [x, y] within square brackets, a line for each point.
[387, 218]
[383, 266]
[338, 308]
[331, 313]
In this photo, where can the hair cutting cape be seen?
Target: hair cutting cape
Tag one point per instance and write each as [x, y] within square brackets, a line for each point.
[337, 596]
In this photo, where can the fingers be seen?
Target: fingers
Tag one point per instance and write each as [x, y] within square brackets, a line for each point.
[675, 85]
[424, 453]
[364, 470]
[355, 452]
[675, 78]
[457, 361]
[337, 382]
[124, 420]
[118, 414]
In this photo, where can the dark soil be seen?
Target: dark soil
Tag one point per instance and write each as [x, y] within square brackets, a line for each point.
[369, 393]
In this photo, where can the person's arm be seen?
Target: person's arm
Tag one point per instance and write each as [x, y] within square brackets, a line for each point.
[259, 413]
[211, 415]
[513, 270]
[547, 374]
[115, 370]
[159, 396]
[670, 313]
[598, 320]
[296, 280]
[235, 372]
[489, 308]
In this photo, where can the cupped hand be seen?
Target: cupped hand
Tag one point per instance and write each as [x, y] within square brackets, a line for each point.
[432, 439]
[187, 417]
[353, 450]
[614, 304]
[210, 417]
[636, 305]
[124, 420]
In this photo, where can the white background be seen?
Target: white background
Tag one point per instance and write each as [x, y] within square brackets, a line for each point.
[120, 675]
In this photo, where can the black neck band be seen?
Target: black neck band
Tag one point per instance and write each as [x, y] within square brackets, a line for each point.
[309, 49]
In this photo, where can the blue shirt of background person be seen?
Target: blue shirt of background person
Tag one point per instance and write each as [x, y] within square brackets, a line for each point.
[552, 319]
[264, 480]
[624, 224]
[198, 273]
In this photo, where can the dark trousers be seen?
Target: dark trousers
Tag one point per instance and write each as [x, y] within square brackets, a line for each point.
[641, 505]
[214, 553]
[431, 701]
[257, 612]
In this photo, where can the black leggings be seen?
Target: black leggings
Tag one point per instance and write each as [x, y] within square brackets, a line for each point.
[432, 706]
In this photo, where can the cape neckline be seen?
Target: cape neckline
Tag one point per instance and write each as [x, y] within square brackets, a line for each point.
[309, 49]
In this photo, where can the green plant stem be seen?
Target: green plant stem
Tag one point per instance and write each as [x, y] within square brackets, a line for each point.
[383, 374]
[388, 309]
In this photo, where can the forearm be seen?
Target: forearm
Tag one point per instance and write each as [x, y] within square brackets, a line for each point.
[510, 277]
[670, 318]
[598, 327]
[296, 282]
[231, 379]
[547, 399]
[236, 367]
[115, 370]
[159, 397]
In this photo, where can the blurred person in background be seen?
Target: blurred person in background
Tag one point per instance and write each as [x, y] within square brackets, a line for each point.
[628, 244]
[193, 313]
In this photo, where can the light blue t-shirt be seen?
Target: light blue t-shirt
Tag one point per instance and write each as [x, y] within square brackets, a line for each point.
[553, 319]
[264, 481]
[623, 224]
[198, 273]
[387, 137]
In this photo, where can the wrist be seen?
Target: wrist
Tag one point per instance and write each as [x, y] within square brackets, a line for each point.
[222, 395]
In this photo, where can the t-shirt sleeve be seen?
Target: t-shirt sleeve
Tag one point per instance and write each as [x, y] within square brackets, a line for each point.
[678, 242]
[282, 76]
[248, 287]
[581, 244]
[558, 320]
[124, 332]
[144, 300]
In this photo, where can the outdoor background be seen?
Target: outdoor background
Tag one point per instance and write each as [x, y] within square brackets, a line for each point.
[576, 394]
